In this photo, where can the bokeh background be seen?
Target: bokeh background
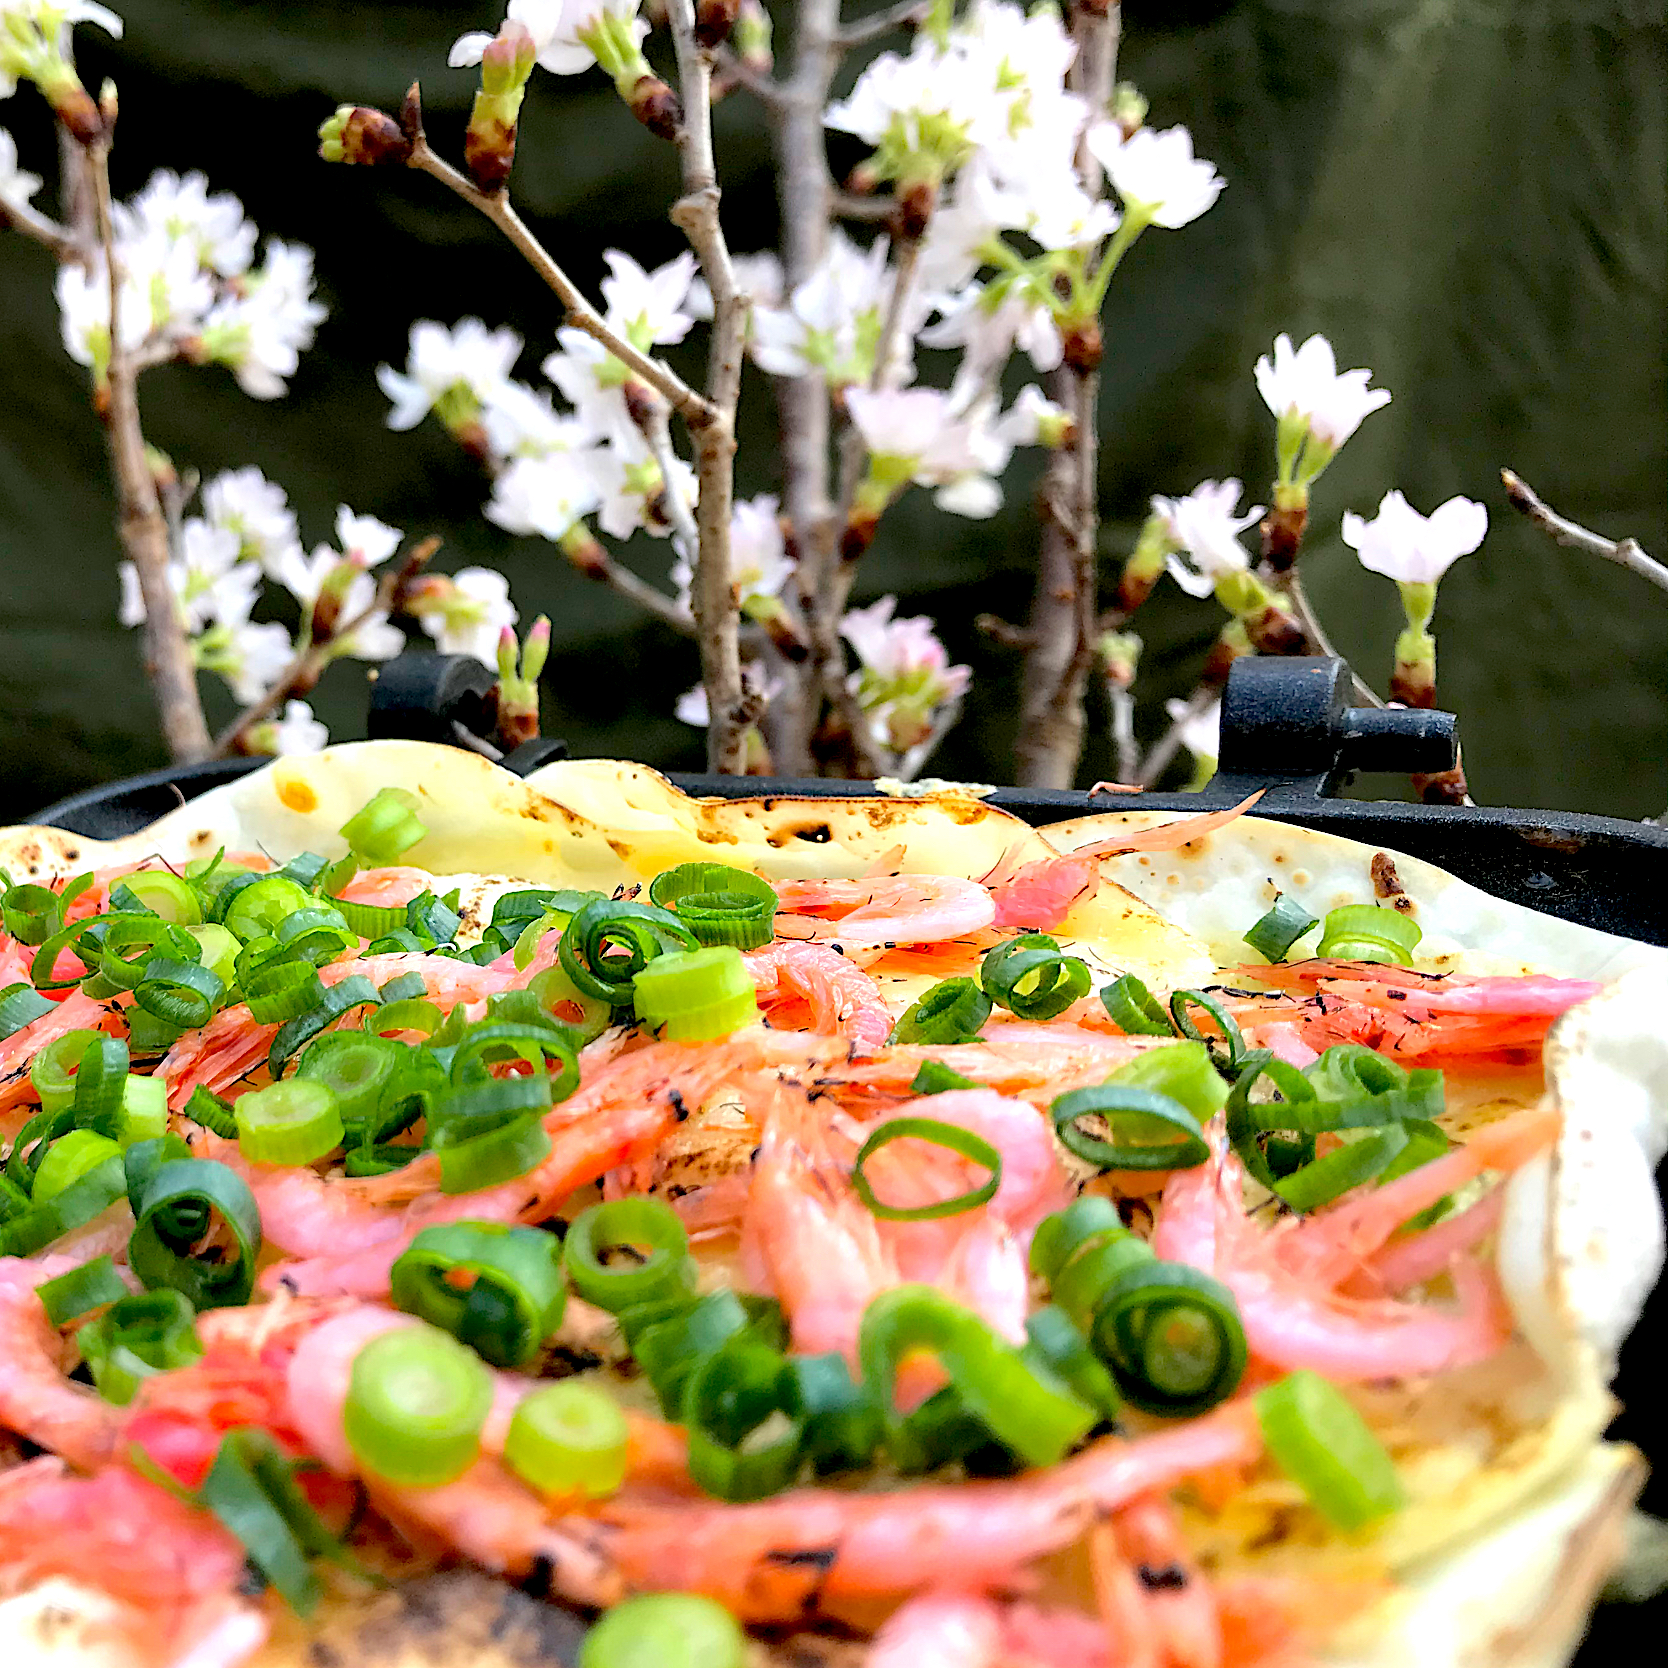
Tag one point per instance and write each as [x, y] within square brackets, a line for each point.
[1470, 196]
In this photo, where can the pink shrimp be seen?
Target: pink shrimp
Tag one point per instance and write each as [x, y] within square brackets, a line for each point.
[486, 1513]
[843, 999]
[1421, 1256]
[968, 1630]
[986, 1272]
[1291, 1322]
[388, 887]
[1169, 836]
[75, 1013]
[1041, 1059]
[173, 1571]
[1042, 893]
[36, 1399]
[785, 1557]
[883, 910]
[1287, 1044]
[820, 1249]
[581, 1151]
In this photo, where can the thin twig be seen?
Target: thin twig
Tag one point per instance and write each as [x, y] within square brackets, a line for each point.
[871, 28]
[302, 674]
[657, 430]
[907, 263]
[765, 88]
[1126, 751]
[143, 529]
[847, 205]
[1169, 744]
[1304, 612]
[731, 707]
[620, 578]
[19, 217]
[1626, 553]
[944, 720]
[691, 406]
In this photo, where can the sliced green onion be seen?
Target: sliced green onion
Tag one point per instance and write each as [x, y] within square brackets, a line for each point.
[175, 1212]
[305, 869]
[100, 1079]
[208, 1109]
[152, 938]
[432, 918]
[21, 1005]
[696, 995]
[1425, 1141]
[43, 1222]
[355, 991]
[31, 914]
[335, 877]
[568, 1439]
[1276, 932]
[1324, 1445]
[294, 1122]
[1148, 1130]
[1032, 978]
[1365, 932]
[316, 935]
[471, 1161]
[682, 1335]
[1134, 1009]
[1182, 1070]
[953, 1011]
[494, 1287]
[538, 1046]
[385, 828]
[416, 1403]
[167, 895]
[401, 941]
[1348, 1166]
[1060, 1234]
[143, 1159]
[1054, 1343]
[261, 906]
[607, 944]
[143, 1114]
[840, 1420]
[1232, 1042]
[70, 1158]
[604, 1254]
[940, 1134]
[359, 1069]
[139, 1335]
[52, 1070]
[179, 992]
[212, 875]
[737, 1392]
[1034, 1415]
[251, 1488]
[371, 920]
[1079, 1285]
[719, 904]
[378, 1158]
[665, 1630]
[410, 1015]
[149, 1036]
[279, 990]
[1173, 1337]
[217, 950]
[89, 1287]
[936, 1078]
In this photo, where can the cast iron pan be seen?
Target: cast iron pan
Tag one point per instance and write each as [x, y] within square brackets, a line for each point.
[1287, 728]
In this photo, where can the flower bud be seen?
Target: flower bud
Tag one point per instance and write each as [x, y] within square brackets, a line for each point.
[750, 38]
[1081, 346]
[508, 60]
[363, 136]
[161, 468]
[1129, 108]
[581, 547]
[863, 179]
[1120, 654]
[1146, 563]
[1282, 532]
[714, 19]
[643, 404]
[1231, 642]
[327, 609]
[916, 201]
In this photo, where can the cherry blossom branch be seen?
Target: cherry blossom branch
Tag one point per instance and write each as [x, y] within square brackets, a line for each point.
[42, 228]
[141, 524]
[765, 88]
[593, 560]
[1126, 751]
[1298, 596]
[1626, 553]
[847, 205]
[657, 431]
[302, 674]
[731, 707]
[1063, 614]
[1169, 744]
[871, 28]
[691, 406]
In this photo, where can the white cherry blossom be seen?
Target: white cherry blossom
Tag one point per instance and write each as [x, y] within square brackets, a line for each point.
[1204, 524]
[556, 27]
[211, 585]
[1156, 172]
[164, 292]
[364, 538]
[542, 495]
[647, 308]
[298, 731]
[629, 484]
[468, 363]
[917, 427]
[251, 658]
[181, 209]
[904, 672]
[255, 510]
[1199, 732]
[832, 320]
[1414, 549]
[1033, 419]
[16, 185]
[590, 378]
[29, 34]
[1307, 384]
[474, 608]
[260, 333]
[759, 562]
[988, 324]
[521, 422]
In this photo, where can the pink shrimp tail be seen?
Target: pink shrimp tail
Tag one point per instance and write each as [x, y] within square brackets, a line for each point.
[1169, 836]
[1040, 894]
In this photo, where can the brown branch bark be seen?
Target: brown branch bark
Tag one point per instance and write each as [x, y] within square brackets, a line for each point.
[1063, 613]
[142, 526]
[1627, 553]
[717, 619]
[42, 228]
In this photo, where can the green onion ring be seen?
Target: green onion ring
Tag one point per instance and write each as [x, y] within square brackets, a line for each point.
[52, 1069]
[1322, 1443]
[178, 1197]
[730, 1395]
[1334, 1174]
[1173, 1337]
[1232, 1041]
[936, 1078]
[840, 1420]
[384, 828]
[77, 1205]
[355, 991]
[1277, 931]
[958, 1140]
[604, 926]
[416, 1403]
[1054, 1343]
[1134, 1009]
[1053, 980]
[1138, 1119]
[90, 1286]
[1184, 1071]
[21, 1005]
[953, 1011]
[569, 1439]
[667, 1272]
[1060, 1234]
[1366, 932]
[179, 993]
[718, 903]
[140, 1335]
[208, 1109]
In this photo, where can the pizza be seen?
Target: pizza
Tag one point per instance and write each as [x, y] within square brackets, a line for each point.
[451, 1218]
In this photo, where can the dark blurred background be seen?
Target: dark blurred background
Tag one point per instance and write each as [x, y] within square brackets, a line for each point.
[1469, 197]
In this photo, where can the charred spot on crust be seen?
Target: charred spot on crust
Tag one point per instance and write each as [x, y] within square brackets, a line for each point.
[1161, 1578]
[816, 833]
